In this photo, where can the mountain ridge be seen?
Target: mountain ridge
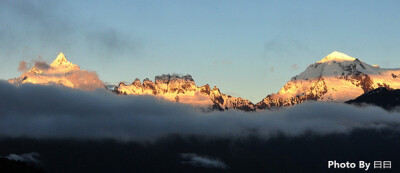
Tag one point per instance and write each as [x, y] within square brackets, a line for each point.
[335, 78]
[384, 97]
[60, 72]
[184, 90]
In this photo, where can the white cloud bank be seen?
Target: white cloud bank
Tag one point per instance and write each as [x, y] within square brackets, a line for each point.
[25, 157]
[202, 161]
[58, 112]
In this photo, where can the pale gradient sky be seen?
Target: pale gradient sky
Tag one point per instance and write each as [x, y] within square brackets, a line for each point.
[246, 48]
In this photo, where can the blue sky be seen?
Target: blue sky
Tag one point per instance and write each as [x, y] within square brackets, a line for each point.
[246, 48]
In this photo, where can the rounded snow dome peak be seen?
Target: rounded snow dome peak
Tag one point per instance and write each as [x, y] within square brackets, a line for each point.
[336, 56]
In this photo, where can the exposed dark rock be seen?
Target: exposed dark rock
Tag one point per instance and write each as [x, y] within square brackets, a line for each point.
[382, 97]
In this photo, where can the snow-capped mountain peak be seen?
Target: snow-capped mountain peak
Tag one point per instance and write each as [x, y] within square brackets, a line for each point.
[60, 60]
[337, 77]
[337, 64]
[59, 72]
[62, 65]
[183, 89]
[337, 57]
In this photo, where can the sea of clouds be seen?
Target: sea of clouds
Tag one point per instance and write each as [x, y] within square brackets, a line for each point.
[39, 111]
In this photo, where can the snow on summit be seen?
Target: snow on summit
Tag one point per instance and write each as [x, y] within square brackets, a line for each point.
[62, 62]
[337, 64]
[60, 72]
[337, 77]
[183, 89]
[62, 65]
[336, 56]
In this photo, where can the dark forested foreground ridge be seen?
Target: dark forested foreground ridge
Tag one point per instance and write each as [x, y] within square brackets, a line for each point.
[13, 166]
[305, 153]
[386, 98]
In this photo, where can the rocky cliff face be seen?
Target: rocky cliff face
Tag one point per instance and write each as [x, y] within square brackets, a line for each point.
[337, 77]
[183, 89]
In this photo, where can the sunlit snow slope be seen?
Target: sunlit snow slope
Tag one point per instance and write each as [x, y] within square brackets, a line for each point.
[183, 89]
[60, 72]
[337, 77]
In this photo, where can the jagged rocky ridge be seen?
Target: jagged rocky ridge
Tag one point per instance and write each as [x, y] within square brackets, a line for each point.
[183, 89]
[337, 77]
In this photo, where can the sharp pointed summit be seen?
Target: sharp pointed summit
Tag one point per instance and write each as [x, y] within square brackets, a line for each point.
[62, 65]
[336, 78]
[60, 72]
[60, 60]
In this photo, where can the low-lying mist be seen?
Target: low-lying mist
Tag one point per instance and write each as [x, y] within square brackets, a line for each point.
[57, 112]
